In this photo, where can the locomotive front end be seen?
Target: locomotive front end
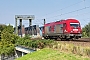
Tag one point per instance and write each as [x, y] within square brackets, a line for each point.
[74, 29]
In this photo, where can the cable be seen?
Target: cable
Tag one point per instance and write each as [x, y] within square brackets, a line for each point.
[62, 9]
[65, 7]
[82, 14]
[38, 22]
[70, 12]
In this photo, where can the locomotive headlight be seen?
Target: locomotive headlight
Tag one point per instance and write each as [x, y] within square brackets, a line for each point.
[78, 31]
[71, 31]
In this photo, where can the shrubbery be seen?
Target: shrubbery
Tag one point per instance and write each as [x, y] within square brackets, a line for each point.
[34, 43]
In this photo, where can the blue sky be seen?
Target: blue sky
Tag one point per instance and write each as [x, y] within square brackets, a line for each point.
[51, 10]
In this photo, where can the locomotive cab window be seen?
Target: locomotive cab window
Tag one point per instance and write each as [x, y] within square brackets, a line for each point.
[61, 25]
[74, 25]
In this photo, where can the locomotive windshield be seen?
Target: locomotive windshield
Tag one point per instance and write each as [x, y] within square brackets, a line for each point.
[74, 25]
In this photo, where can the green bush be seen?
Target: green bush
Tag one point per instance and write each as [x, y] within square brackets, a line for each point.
[34, 43]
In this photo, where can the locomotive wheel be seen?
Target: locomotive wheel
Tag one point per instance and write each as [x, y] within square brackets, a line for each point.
[59, 39]
[68, 39]
[45, 38]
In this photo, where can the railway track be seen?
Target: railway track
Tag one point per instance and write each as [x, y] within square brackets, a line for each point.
[84, 39]
[85, 42]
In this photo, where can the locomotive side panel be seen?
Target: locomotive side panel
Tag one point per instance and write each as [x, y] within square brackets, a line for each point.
[59, 28]
[46, 30]
[53, 29]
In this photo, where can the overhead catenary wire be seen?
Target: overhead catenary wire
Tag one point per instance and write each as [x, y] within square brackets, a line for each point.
[39, 21]
[69, 12]
[61, 9]
[64, 8]
[81, 14]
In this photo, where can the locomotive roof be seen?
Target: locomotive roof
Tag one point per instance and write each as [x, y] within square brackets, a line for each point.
[72, 20]
[63, 21]
[56, 21]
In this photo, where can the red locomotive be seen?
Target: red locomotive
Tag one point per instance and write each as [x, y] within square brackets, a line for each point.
[63, 29]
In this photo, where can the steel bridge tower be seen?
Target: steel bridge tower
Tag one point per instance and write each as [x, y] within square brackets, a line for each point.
[20, 18]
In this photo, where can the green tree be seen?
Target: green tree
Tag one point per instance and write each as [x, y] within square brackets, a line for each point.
[1, 29]
[8, 40]
[86, 30]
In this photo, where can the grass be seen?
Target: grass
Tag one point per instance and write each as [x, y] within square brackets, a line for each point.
[50, 54]
[71, 48]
